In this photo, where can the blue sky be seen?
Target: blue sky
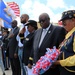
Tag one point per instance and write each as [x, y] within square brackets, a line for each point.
[53, 7]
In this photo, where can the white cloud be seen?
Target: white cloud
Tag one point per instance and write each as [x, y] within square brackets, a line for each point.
[70, 8]
[34, 8]
[55, 4]
[18, 20]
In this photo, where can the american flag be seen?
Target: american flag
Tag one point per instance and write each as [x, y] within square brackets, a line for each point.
[15, 7]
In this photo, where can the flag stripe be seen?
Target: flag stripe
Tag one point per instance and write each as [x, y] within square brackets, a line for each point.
[14, 7]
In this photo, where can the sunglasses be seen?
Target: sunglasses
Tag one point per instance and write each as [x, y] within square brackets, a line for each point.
[42, 20]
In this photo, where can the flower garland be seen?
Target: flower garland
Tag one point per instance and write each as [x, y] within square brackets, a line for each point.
[45, 62]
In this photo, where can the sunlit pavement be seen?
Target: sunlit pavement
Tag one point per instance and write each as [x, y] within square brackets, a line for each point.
[7, 72]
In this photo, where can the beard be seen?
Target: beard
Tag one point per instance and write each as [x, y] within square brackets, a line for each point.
[23, 22]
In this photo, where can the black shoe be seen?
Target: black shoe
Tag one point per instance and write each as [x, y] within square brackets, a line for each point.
[3, 73]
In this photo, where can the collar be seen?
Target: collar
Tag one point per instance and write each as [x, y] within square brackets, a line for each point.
[70, 33]
[14, 28]
[47, 27]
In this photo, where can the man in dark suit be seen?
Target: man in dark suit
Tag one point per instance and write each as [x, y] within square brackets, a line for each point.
[47, 37]
[14, 60]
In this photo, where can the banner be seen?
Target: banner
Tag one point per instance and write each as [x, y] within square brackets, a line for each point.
[15, 7]
[6, 14]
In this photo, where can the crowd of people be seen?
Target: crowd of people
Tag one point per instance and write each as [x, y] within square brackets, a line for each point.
[4, 59]
[23, 47]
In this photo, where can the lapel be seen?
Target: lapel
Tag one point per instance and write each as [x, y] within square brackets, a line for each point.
[37, 38]
[15, 29]
[47, 36]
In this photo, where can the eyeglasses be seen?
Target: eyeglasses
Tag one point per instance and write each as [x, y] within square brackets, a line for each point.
[64, 23]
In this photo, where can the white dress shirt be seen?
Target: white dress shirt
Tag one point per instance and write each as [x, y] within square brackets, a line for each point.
[44, 32]
[26, 32]
[19, 41]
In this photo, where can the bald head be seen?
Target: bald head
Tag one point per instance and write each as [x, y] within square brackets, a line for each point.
[26, 15]
[24, 18]
[45, 15]
[14, 23]
[44, 20]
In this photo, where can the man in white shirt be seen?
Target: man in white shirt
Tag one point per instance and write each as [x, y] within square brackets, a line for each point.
[22, 33]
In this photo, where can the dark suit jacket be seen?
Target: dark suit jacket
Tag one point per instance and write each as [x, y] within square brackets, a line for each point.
[54, 37]
[13, 43]
[28, 43]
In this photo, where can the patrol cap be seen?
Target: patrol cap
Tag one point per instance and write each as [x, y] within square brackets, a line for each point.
[68, 15]
[32, 23]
